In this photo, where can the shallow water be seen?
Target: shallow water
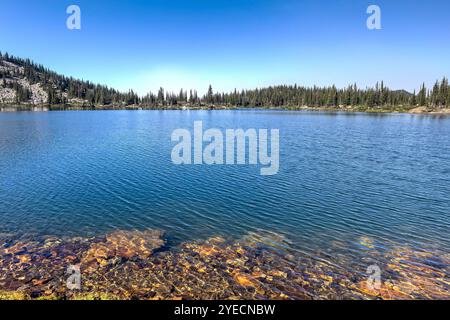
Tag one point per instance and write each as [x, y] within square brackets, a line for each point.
[350, 186]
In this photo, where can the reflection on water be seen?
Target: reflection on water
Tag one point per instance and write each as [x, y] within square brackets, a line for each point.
[137, 265]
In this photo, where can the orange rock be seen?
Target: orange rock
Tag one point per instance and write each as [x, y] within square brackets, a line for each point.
[258, 274]
[206, 250]
[278, 273]
[39, 282]
[25, 258]
[123, 244]
[15, 248]
[71, 258]
[202, 270]
[390, 291]
[102, 262]
[366, 289]
[328, 279]
[244, 280]
[284, 296]
[387, 291]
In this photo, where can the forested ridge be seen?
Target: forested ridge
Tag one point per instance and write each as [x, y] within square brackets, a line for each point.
[25, 82]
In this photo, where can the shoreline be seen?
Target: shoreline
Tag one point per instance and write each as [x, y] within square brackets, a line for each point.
[50, 108]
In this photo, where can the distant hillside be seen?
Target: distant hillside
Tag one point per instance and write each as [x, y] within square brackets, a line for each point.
[23, 82]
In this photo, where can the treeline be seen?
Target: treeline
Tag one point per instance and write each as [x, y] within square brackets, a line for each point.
[63, 90]
[295, 96]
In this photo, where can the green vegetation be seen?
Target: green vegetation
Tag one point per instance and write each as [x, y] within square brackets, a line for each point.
[67, 91]
[13, 295]
[94, 296]
[20, 295]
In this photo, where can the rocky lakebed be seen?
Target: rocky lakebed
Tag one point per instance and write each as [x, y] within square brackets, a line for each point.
[140, 265]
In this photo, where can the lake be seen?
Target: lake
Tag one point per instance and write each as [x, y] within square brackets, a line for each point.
[350, 186]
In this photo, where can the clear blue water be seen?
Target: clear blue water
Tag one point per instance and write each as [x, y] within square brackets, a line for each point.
[342, 177]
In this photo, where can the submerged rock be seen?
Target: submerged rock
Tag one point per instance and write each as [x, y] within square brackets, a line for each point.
[127, 265]
[121, 244]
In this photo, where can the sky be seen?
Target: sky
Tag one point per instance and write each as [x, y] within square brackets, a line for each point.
[145, 44]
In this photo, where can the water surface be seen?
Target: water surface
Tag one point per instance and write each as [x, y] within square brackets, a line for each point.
[343, 177]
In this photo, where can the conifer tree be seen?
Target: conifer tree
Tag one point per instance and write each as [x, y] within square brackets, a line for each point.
[209, 95]
[443, 91]
[422, 97]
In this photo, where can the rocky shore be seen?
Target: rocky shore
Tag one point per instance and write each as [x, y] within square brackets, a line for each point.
[424, 110]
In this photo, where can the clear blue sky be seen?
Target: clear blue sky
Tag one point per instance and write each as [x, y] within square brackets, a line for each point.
[233, 43]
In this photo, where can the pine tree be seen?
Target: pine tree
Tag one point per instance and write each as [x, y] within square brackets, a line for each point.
[422, 97]
[443, 91]
[435, 95]
[161, 96]
[209, 95]
[413, 101]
